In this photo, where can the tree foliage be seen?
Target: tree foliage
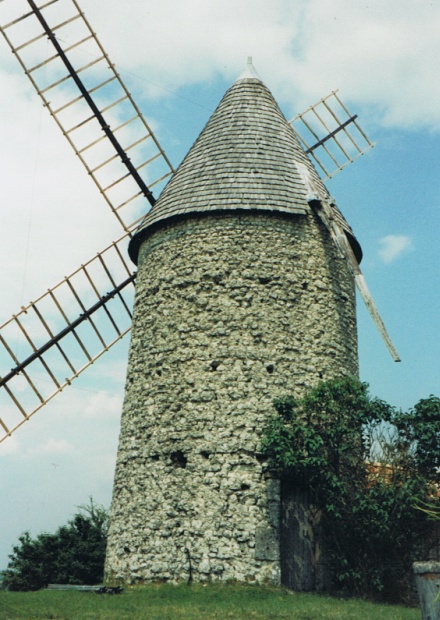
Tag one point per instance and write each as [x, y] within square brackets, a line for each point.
[366, 466]
[74, 554]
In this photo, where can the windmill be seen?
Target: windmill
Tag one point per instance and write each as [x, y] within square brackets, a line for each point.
[90, 310]
[99, 118]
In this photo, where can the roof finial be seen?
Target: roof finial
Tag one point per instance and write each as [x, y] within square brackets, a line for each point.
[249, 71]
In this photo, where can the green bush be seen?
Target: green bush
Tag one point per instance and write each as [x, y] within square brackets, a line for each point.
[74, 554]
[365, 466]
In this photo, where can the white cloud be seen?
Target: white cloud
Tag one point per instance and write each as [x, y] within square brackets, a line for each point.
[50, 447]
[393, 246]
[381, 55]
[102, 405]
[10, 446]
[49, 206]
[14, 447]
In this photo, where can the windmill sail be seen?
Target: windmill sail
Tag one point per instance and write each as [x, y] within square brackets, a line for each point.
[324, 205]
[330, 135]
[51, 341]
[55, 338]
[341, 241]
[89, 102]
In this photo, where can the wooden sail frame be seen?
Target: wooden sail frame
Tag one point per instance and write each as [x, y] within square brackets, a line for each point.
[63, 332]
[330, 134]
[124, 169]
[323, 204]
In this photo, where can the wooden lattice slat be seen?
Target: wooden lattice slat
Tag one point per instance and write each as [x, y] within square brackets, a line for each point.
[55, 338]
[330, 135]
[75, 86]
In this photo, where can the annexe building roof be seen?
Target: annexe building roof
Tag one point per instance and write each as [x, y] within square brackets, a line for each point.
[245, 159]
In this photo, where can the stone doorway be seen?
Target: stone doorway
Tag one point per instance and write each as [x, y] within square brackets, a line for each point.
[303, 565]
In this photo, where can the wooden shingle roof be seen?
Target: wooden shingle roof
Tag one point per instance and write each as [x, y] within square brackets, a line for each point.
[244, 159]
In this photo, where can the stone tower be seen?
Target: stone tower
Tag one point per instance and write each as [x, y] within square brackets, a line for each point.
[241, 297]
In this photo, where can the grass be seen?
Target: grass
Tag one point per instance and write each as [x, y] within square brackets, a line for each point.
[196, 602]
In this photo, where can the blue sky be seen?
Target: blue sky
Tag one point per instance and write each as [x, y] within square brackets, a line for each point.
[178, 61]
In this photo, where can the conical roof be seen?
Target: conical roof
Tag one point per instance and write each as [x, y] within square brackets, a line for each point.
[245, 159]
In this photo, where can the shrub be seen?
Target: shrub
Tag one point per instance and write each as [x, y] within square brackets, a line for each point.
[74, 554]
[365, 466]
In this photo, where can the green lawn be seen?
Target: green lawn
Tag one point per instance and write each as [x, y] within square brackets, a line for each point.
[196, 602]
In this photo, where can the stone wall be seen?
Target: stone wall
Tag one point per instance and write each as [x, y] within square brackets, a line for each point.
[231, 311]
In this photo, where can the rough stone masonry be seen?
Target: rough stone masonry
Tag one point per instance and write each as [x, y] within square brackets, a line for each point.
[235, 306]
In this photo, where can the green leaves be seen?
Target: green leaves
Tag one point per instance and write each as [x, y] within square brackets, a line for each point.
[366, 465]
[421, 428]
[74, 554]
